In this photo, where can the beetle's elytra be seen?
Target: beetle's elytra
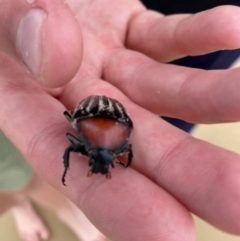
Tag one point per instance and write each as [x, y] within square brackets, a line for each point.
[103, 128]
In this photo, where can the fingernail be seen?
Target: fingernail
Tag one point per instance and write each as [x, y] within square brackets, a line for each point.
[29, 39]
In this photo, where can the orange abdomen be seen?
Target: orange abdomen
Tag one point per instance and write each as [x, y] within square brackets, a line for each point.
[103, 132]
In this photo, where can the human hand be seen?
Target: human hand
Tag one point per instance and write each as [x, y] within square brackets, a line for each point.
[172, 173]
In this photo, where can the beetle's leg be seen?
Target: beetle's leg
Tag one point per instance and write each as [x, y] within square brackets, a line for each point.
[66, 162]
[78, 143]
[71, 148]
[90, 163]
[68, 116]
[125, 150]
[73, 139]
[130, 156]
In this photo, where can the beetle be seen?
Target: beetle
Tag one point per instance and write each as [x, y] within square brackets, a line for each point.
[103, 128]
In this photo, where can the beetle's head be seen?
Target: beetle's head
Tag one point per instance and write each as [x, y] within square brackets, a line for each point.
[100, 160]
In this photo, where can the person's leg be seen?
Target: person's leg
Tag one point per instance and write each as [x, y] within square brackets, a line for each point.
[29, 224]
[6, 202]
[46, 195]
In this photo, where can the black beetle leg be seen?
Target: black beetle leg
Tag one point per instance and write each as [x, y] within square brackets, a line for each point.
[73, 139]
[72, 148]
[66, 162]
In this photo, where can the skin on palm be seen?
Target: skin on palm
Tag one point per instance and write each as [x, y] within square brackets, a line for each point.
[173, 172]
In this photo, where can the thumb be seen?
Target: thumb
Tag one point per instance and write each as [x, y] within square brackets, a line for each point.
[43, 34]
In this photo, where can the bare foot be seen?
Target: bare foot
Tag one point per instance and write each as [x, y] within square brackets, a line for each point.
[29, 224]
[80, 225]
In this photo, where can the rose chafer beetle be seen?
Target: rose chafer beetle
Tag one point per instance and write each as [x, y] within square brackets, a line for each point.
[103, 128]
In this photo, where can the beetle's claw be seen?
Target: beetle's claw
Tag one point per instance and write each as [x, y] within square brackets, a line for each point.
[90, 173]
[108, 175]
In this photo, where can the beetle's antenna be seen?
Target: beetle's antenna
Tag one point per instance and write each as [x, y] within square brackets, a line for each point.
[68, 116]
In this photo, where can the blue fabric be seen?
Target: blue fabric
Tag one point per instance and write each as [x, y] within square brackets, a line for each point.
[186, 6]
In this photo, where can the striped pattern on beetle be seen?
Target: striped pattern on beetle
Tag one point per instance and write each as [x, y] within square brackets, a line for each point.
[101, 106]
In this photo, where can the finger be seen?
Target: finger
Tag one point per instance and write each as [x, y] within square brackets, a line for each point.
[127, 207]
[205, 178]
[168, 38]
[193, 95]
[40, 33]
